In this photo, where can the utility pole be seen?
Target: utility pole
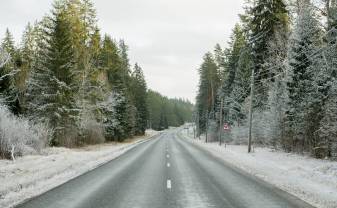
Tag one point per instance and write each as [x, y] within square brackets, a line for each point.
[251, 110]
[220, 122]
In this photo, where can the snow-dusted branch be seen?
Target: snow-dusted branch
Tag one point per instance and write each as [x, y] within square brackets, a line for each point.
[4, 57]
[18, 136]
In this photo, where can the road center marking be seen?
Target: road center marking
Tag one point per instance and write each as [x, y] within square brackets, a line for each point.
[168, 165]
[168, 184]
[167, 155]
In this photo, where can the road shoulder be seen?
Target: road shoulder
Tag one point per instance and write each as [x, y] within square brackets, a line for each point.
[33, 175]
[309, 179]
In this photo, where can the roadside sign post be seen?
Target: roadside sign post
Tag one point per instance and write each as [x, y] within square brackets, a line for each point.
[226, 128]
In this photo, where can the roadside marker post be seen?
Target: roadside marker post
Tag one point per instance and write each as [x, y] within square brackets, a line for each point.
[226, 128]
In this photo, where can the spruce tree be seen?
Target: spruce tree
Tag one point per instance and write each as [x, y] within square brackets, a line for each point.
[140, 100]
[111, 63]
[220, 60]
[8, 74]
[328, 125]
[303, 108]
[231, 71]
[267, 17]
[208, 86]
[28, 51]
[327, 131]
[53, 84]
[4, 57]
[127, 81]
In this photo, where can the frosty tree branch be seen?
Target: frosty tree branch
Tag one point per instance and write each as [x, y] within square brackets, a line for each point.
[4, 57]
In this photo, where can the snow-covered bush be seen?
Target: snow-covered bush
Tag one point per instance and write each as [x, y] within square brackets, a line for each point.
[266, 129]
[92, 132]
[19, 137]
[239, 134]
[212, 131]
[90, 128]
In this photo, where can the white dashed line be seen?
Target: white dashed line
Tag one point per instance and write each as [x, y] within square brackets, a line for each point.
[168, 184]
[168, 165]
[167, 155]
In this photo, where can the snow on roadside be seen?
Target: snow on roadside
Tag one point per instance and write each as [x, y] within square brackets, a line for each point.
[32, 175]
[312, 180]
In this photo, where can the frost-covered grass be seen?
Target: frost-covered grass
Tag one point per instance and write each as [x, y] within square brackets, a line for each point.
[18, 136]
[32, 175]
[312, 180]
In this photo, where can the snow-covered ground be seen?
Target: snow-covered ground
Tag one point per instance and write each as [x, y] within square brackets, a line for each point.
[32, 175]
[312, 180]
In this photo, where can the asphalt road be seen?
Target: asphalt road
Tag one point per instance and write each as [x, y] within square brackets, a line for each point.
[166, 172]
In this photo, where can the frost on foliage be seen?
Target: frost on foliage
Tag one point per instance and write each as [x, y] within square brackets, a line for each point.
[304, 66]
[4, 57]
[328, 130]
[111, 119]
[18, 136]
[90, 130]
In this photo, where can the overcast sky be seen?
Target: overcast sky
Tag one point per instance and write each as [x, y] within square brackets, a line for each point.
[166, 37]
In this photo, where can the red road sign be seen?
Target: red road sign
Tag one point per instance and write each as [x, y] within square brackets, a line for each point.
[226, 127]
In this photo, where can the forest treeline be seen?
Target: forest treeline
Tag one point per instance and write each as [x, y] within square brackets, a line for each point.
[289, 49]
[78, 83]
[165, 112]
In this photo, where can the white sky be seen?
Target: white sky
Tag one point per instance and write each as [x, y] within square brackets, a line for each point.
[166, 37]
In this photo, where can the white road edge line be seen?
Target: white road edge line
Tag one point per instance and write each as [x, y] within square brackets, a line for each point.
[168, 184]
